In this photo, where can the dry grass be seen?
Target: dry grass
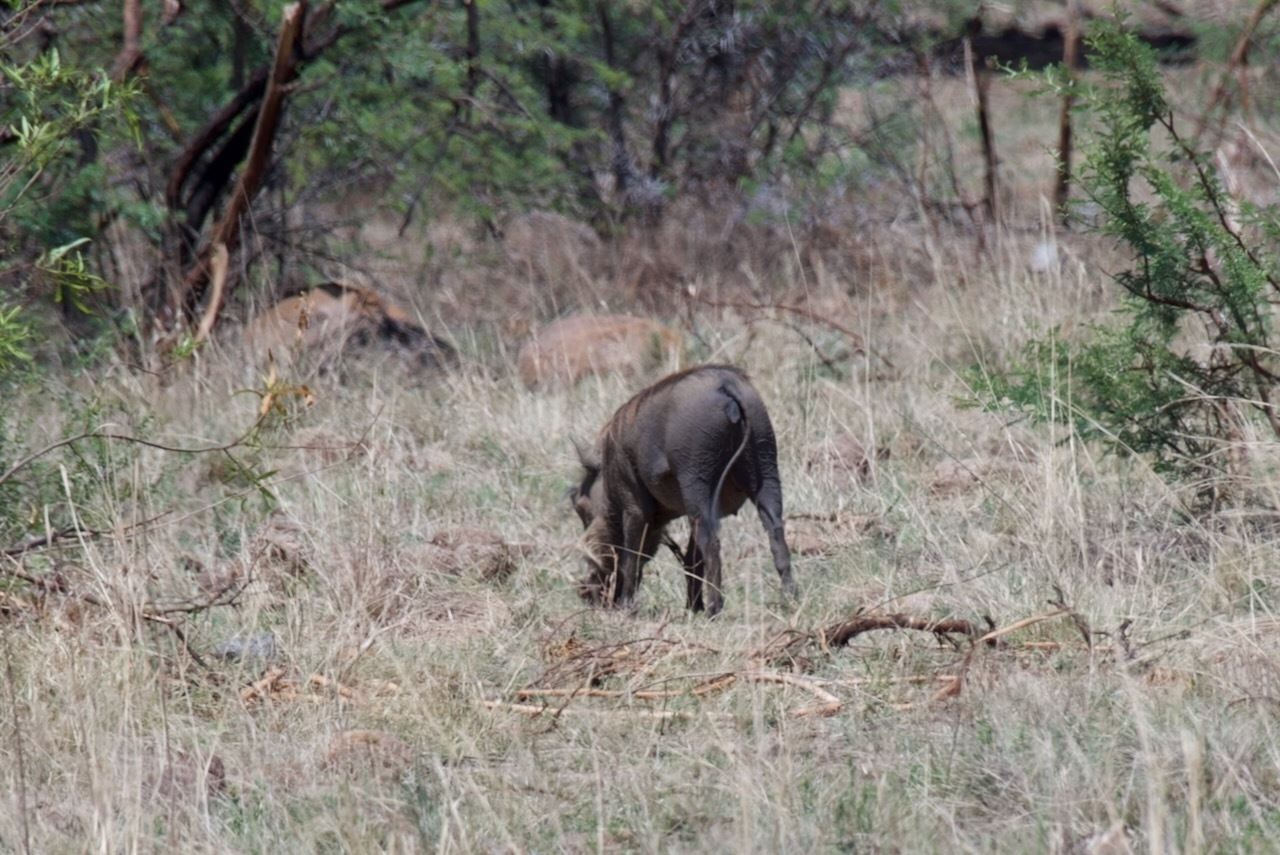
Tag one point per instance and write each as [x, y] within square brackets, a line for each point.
[432, 682]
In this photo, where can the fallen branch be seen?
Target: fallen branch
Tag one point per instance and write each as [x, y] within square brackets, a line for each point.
[531, 710]
[219, 258]
[859, 682]
[840, 634]
[951, 690]
[830, 703]
[714, 685]
[226, 233]
[1061, 602]
[1020, 624]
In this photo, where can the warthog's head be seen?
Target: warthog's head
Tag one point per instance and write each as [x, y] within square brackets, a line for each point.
[588, 498]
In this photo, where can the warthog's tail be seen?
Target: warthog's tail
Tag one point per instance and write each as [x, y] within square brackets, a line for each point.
[746, 436]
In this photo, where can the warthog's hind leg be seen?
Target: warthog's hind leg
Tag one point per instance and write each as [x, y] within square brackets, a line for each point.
[704, 556]
[769, 507]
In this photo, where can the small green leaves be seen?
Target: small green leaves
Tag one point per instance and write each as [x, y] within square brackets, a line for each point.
[1191, 357]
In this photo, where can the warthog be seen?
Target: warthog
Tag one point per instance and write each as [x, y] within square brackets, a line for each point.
[697, 443]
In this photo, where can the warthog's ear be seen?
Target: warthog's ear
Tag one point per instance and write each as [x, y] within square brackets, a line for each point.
[588, 455]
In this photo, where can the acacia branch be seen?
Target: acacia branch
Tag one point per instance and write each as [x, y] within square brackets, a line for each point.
[806, 313]
[55, 535]
[246, 125]
[131, 47]
[99, 434]
[1236, 64]
[1070, 52]
[228, 229]
[245, 100]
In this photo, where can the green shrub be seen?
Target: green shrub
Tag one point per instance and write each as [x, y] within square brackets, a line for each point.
[1186, 373]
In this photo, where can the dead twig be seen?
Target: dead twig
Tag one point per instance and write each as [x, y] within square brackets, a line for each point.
[806, 313]
[173, 627]
[1021, 624]
[1061, 602]
[53, 536]
[531, 710]
[1122, 637]
[858, 682]
[715, 684]
[951, 690]
[830, 704]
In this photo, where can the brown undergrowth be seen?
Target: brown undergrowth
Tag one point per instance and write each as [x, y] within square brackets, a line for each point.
[643, 667]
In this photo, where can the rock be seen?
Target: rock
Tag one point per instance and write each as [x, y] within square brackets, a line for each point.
[845, 458]
[475, 552]
[254, 645]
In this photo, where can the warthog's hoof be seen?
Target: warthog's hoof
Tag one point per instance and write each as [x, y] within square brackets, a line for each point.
[790, 590]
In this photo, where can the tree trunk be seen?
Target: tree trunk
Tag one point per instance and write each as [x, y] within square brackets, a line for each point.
[227, 232]
[1070, 51]
[198, 179]
[131, 45]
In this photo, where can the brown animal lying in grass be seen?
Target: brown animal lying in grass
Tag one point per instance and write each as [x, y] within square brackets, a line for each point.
[697, 443]
[332, 316]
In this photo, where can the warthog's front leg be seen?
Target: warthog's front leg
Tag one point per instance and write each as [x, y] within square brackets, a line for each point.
[638, 543]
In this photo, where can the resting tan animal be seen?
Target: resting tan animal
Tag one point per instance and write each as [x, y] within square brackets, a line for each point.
[328, 318]
[697, 443]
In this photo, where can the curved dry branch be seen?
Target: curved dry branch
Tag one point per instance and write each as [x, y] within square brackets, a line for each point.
[840, 634]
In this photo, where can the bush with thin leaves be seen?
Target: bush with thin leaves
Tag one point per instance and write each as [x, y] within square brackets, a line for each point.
[1189, 370]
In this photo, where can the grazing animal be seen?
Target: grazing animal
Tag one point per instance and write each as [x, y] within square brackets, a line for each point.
[697, 443]
[335, 315]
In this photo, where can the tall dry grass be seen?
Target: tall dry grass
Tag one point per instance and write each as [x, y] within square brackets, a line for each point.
[409, 699]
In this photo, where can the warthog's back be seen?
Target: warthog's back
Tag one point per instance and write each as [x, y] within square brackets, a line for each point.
[693, 422]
